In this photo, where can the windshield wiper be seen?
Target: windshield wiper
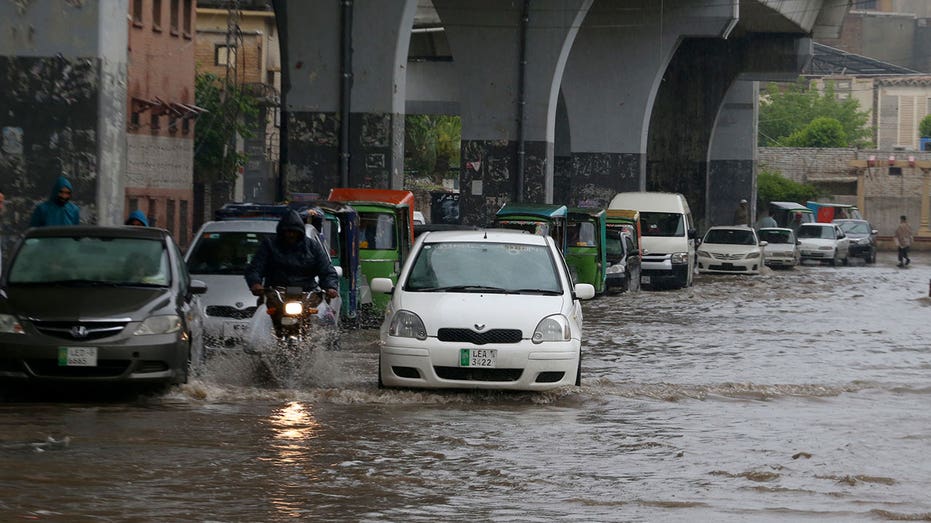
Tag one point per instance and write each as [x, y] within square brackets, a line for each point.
[545, 292]
[80, 282]
[463, 288]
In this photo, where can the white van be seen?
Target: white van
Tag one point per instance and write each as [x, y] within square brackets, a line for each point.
[668, 236]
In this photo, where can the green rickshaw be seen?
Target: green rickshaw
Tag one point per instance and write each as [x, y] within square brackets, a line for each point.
[386, 232]
[585, 246]
[537, 218]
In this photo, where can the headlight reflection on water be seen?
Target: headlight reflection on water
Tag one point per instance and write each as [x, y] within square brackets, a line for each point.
[294, 430]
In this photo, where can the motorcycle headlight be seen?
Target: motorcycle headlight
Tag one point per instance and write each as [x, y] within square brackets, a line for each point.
[755, 254]
[703, 254]
[679, 257]
[293, 308]
[406, 324]
[552, 328]
[9, 324]
[159, 325]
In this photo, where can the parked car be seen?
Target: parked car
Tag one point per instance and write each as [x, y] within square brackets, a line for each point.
[453, 323]
[862, 236]
[782, 247]
[823, 242]
[731, 248]
[99, 304]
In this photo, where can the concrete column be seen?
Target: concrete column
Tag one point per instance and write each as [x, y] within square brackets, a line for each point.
[732, 157]
[923, 229]
[312, 40]
[610, 84]
[485, 38]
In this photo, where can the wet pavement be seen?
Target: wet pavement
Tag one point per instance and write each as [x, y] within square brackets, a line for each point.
[797, 395]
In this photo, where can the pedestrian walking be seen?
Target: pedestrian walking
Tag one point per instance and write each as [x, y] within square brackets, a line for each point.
[58, 209]
[742, 214]
[903, 240]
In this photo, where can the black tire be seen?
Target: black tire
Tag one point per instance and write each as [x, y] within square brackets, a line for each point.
[381, 384]
[833, 262]
[846, 260]
[578, 372]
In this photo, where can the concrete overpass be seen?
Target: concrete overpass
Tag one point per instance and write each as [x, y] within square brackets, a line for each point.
[563, 101]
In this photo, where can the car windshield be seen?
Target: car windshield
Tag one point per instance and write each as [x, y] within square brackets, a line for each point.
[825, 233]
[224, 252]
[662, 224]
[464, 267]
[730, 237]
[581, 234]
[855, 227]
[91, 260]
[776, 236]
[376, 231]
[614, 246]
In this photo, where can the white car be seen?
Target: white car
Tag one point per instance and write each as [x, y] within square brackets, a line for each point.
[782, 247]
[732, 249]
[824, 242]
[218, 256]
[483, 309]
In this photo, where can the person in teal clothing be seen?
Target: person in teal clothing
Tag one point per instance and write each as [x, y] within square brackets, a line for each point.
[137, 218]
[58, 209]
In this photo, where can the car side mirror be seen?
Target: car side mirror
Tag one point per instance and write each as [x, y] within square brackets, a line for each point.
[339, 271]
[874, 231]
[763, 243]
[798, 242]
[382, 285]
[692, 234]
[197, 287]
[584, 291]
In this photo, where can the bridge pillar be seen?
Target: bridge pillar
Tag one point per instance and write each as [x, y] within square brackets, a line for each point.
[485, 39]
[312, 38]
[614, 71]
[732, 159]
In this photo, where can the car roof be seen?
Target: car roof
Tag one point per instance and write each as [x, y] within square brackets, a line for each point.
[775, 229]
[485, 235]
[792, 206]
[817, 224]
[731, 227]
[847, 220]
[120, 231]
[241, 226]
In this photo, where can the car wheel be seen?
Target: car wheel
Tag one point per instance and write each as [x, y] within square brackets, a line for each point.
[578, 372]
[871, 258]
[381, 384]
[846, 260]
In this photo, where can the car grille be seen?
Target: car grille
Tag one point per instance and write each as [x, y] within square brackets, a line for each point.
[479, 338]
[80, 330]
[733, 268]
[724, 256]
[225, 311]
[467, 374]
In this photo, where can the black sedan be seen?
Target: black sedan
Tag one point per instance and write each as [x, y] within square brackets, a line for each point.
[862, 237]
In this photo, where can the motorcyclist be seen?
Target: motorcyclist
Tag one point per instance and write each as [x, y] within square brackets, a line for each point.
[291, 259]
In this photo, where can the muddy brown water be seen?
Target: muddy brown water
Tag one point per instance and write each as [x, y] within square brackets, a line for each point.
[794, 395]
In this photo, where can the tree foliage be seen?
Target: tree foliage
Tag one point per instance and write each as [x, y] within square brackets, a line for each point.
[773, 187]
[821, 132]
[787, 111]
[431, 143]
[924, 127]
[231, 113]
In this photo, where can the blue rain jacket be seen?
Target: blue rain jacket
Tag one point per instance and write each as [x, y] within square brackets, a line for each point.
[138, 215]
[53, 212]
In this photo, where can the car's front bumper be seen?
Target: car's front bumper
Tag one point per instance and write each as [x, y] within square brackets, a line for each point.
[860, 251]
[745, 266]
[430, 363]
[781, 261]
[154, 358]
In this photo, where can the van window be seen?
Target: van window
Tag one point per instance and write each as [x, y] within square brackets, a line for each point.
[224, 252]
[662, 224]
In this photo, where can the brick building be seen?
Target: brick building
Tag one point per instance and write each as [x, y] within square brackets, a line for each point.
[160, 114]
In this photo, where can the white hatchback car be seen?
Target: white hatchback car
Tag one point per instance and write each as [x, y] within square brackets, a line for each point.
[483, 309]
[824, 242]
[732, 249]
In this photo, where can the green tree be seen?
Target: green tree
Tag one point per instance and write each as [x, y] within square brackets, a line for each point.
[432, 143]
[773, 187]
[821, 132]
[231, 112]
[785, 111]
[924, 127]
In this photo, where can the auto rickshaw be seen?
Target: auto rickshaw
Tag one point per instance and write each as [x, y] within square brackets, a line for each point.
[537, 218]
[828, 212]
[790, 214]
[623, 249]
[585, 246]
[386, 232]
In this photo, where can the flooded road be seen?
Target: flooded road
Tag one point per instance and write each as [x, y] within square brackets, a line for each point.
[796, 395]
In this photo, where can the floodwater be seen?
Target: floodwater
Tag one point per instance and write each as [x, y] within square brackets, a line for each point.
[798, 395]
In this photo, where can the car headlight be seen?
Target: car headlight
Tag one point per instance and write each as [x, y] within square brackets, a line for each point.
[825, 248]
[614, 269]
[293, 308]
[406, 324]
[703, 254]
[9, 324]
[864, 241]
[552, 328]
[159, 325]
[755, 254]
[679, 257]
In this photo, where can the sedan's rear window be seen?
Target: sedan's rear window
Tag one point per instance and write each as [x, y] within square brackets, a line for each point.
[776, 236]
[87, 259]
[484, 267]
[824, 233]
[224, 252]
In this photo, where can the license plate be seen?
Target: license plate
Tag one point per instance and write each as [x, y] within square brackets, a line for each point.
[645, 279]
[481, 358]
[235, 329]
[77, 356]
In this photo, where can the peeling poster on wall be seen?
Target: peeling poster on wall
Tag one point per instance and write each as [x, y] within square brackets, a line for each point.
[12, 140]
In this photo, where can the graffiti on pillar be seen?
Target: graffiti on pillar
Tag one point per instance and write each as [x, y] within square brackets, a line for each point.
[591, 178]
[313, 152]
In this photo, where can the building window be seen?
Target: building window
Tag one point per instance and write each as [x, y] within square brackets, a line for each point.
[173, 18]
[864, 4]
[182, 233]
[156, 15]
[170, 216]
[137, 13]
[895, 171]
[188, 14]
[133, 121]
[153, 122]
[133, 204]
[224, 55]
[172, 123]
[842, 96]
[152, 215]
[185, 125]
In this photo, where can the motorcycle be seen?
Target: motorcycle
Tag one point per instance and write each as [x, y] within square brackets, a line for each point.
[300, 320]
